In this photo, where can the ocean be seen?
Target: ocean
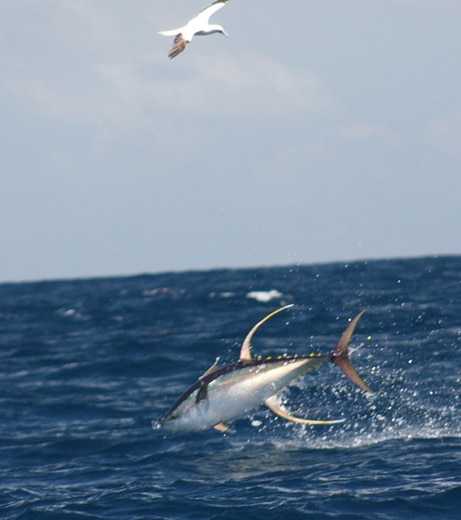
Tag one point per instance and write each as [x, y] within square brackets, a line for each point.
[88, 366]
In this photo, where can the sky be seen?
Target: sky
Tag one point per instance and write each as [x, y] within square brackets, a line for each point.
[320, 130]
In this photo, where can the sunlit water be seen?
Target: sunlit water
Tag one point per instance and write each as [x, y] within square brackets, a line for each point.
[86, 367]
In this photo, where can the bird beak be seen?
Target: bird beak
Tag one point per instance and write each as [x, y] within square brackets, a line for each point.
[225, 34]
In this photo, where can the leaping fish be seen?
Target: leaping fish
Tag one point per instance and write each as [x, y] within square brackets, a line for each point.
[197, 26]
[223, 394]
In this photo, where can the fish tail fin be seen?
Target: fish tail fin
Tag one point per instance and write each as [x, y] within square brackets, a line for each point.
[341, 355]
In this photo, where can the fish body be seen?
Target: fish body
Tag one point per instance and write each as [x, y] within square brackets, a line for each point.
[223, 394]
[241, 386]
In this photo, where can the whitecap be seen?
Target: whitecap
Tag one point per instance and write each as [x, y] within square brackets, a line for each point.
[264, 296]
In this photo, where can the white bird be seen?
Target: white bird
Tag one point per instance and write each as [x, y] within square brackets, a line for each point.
[197, 26]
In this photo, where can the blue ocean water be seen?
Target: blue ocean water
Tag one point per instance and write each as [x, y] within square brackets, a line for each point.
[86, 366]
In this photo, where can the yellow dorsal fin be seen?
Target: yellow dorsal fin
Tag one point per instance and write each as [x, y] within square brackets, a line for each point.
[245, 351]
[278, 409]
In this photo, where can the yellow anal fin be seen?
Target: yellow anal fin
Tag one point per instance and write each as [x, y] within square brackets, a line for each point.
[221, 427]
[278, 409]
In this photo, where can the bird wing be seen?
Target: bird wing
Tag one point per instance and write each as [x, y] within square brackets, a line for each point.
[172, 32]
[205, 14]
[179, 45]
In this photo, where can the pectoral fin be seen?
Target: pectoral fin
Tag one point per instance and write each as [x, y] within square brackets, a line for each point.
[278, 409]
[202, 392]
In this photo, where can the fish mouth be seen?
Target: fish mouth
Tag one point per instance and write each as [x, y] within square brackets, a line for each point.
[159, 425]
[156, 425]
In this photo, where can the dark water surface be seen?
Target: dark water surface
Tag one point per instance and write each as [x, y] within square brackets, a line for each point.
[87, 365]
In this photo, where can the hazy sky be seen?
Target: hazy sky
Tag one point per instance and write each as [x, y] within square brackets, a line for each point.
[320, 130]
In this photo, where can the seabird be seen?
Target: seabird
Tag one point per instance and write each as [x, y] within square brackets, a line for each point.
[196, 26]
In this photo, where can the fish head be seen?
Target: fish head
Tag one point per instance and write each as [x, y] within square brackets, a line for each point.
[181, 415]
[191, 412]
